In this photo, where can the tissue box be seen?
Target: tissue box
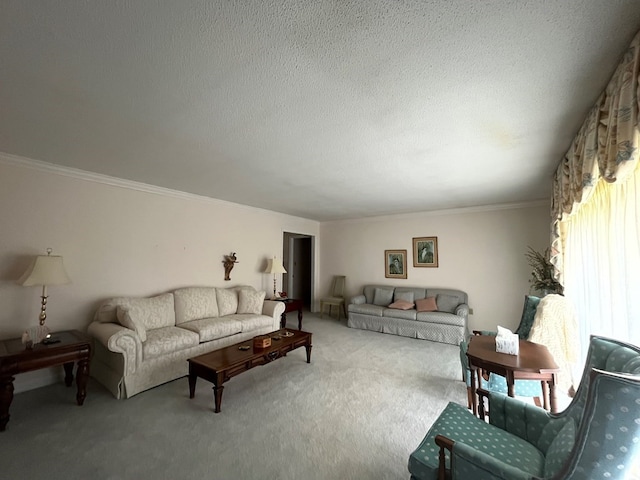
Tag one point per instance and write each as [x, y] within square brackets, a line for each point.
[507, 342]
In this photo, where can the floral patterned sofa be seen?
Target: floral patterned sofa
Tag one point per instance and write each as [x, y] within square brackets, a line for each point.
[143, 342]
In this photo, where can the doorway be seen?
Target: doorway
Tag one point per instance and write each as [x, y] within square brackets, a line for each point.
[297, 257]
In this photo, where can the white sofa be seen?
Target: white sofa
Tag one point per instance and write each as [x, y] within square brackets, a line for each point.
[143, 342]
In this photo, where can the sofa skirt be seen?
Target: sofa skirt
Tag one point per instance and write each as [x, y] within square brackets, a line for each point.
[435, 332]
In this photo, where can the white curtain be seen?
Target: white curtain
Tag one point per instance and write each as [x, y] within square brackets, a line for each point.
[602, 261]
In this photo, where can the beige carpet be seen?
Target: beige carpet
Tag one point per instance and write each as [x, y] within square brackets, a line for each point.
[356, 412]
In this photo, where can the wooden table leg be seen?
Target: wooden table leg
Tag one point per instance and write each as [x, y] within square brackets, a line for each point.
[474, 404]
[308, 349]
[217, 391]
[552, 394]
[192, 381]
[82, 376]
[300, 318]
[283, 320]
[6, 397]
[545, 395]
[68, 374]
[511, 390]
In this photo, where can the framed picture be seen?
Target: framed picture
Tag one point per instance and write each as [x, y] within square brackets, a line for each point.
[395, 263]
[425, 251]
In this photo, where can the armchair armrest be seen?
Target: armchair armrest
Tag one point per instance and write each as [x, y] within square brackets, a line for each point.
[358, 299]
[483, 465]
[119, 339]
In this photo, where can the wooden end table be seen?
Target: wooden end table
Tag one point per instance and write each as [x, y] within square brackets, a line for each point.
[73, 346]
[534, 362]
[221, 365]
[291, 305]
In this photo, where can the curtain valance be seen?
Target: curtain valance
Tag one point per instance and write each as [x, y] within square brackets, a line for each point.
[606, 148]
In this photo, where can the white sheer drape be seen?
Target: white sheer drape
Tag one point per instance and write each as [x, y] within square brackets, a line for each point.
[602, 261]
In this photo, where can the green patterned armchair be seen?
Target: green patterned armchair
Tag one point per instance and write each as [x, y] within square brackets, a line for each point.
[597, 436]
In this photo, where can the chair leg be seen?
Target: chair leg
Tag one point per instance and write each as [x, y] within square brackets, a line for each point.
[344, 310]
[537, 401]
[321, 309]
[469, 398]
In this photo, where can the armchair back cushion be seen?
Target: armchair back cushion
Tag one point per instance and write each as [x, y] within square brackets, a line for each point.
[194, 303]
[560, 449]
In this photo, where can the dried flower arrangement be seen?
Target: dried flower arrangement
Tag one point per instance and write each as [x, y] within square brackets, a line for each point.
[542, 272]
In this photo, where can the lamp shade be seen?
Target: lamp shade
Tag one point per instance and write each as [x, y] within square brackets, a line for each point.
[275, 266]
[45, 270]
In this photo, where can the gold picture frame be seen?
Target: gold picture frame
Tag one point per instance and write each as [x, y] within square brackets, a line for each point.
[425, 252]
[395, 264]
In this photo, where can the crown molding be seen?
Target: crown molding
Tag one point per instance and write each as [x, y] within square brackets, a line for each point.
[29, 163]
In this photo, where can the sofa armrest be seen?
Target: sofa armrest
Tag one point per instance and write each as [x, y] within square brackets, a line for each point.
[119, 339]
[462, 310]
[273, 308]
[358, 299]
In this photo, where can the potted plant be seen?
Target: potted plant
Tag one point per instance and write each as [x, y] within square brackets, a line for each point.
[542, 272]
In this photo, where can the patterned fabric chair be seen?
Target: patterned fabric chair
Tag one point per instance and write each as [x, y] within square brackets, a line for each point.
[595, 437]
[497, 383]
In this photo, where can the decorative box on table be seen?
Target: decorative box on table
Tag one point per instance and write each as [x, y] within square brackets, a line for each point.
[262, 341]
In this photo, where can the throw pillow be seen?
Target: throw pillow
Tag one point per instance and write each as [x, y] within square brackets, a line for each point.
[406, 296]
[447, 303]
[130, 319]
[250, 301]
[382, 296]
[560, 448]
[227, 301]
[401, 305]
[426, 304]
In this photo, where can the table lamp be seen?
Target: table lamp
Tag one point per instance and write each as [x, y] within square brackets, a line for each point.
[274, 266]
[45, 270]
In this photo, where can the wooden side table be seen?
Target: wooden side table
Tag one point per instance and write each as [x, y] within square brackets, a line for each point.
[74, 346]
[291, 305]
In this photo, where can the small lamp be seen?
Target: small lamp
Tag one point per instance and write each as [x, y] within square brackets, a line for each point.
[45, 270]
[274, 266]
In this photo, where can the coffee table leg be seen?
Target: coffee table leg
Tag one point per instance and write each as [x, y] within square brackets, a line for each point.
[217, 395]
[192, 381]
[308, 349]
[6, 396]
[68, 374]
[82, 376]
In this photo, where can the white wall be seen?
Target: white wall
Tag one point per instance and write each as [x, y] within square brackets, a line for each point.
[119, 240]
[480, 251]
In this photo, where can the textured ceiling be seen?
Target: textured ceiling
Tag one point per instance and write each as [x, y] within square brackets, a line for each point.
[321, 109]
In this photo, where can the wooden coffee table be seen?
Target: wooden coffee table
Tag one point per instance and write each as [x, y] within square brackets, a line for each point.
[221, 365]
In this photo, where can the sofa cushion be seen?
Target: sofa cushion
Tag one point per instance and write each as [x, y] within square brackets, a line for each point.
[426, 304]
[441, 317]
[227, 301]
[194, 303]
[382, 296]
[447, 303]
[402, 305]
[250, 301]
[213, 328]
[162, 341]
[406, 296]
[367, 309]
[251, 322]
[132, 321]
[395, 313]
[154, 312]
